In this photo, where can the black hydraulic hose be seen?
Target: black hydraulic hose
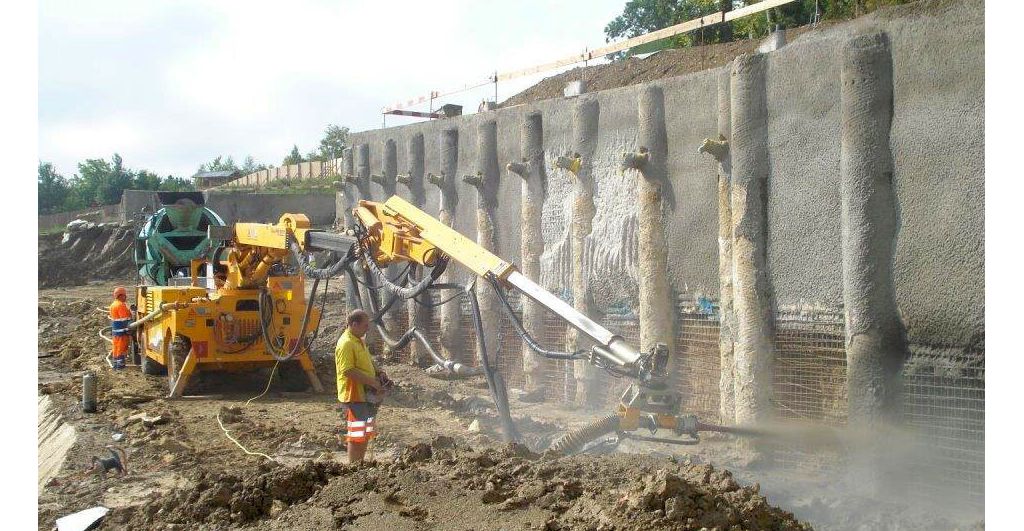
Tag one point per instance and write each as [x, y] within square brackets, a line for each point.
[377, 314]
[323, 304]
[452, 367]
[324, 272]
[440, 287]
[495, 382]
[300, 343]
[527, 338]
[398, 290]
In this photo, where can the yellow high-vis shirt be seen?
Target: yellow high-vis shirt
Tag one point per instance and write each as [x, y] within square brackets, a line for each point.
[351, 352]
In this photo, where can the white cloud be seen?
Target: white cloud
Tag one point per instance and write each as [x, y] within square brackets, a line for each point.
[95, 139]
[170, 85]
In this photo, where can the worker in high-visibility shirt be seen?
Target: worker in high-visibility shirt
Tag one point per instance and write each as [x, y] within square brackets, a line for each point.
[360, 385]
[120, 317]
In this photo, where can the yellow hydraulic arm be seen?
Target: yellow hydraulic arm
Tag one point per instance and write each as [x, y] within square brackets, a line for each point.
[398, 231]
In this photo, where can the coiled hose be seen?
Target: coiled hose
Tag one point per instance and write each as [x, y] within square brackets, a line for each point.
[300, 344]
[574, 440]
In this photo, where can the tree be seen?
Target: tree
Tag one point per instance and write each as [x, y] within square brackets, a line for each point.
[294, 157]
[335, 140]
[249, 165]
[176, 184]
[640, 17]
[219, 164]
[53, 188]
[98, 182]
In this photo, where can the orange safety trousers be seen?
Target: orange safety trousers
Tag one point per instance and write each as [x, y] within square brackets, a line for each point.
[119, 312]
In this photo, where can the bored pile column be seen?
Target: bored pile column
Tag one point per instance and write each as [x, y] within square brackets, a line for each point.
[534, 182]
[656, 312]
[585, 129]
[486, 184]
[755, 325]
[452, 340]
[876, 344]
[419, 315]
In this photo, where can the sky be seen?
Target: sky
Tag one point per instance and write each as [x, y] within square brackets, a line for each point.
[171, 85]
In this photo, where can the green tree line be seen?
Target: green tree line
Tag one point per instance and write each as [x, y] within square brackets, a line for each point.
[98, 182]
[335, 140]
[101, 182]
[644, 16]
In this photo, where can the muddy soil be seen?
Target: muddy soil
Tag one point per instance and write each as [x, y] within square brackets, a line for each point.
[439, 461]
[429, 468]
[102, 250]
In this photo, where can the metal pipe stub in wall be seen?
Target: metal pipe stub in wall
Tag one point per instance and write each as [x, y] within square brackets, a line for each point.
[519, 168]
[570, 163]
[636, 160]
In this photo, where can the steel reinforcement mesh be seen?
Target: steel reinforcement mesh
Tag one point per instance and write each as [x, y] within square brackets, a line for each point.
[810, 369]
[944, 401]
[944, 395]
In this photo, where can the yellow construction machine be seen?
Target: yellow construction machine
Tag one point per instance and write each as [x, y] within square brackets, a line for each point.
[250, 310]
[396, 232]
[245, 309]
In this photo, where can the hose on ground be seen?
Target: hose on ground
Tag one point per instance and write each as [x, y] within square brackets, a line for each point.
[574, 440]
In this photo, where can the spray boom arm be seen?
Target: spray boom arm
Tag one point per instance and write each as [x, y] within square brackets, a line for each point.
[396, 231]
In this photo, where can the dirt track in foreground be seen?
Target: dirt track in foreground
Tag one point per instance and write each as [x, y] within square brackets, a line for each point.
[430, 470]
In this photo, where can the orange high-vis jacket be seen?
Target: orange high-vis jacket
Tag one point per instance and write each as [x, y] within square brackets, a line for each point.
[120, 317]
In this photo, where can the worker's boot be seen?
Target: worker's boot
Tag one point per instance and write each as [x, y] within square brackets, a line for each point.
[118, 362]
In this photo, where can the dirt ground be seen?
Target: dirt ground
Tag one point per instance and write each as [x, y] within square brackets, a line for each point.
[632, 70]
[429, 468]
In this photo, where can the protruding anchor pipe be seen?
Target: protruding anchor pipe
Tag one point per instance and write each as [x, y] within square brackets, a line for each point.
[474, 180]
[379, 179]
[436, 180]
[636, 160]
[717, 148]
[570, 163]
[404, 178]
[519, 168]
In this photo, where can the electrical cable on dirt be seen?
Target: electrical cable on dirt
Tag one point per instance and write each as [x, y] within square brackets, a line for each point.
[273, 370]
[267, 388]
[238, 444]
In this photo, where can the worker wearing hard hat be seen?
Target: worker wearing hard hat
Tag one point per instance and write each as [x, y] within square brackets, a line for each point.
[360, 385]
[120, 317]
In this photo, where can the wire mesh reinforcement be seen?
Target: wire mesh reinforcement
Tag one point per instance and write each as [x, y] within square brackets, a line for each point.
[944, 400]
[698, 364]
[944, 394]
[810, 369]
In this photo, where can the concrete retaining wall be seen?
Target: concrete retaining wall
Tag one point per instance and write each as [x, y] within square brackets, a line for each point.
[936, 140]
[244, 206]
